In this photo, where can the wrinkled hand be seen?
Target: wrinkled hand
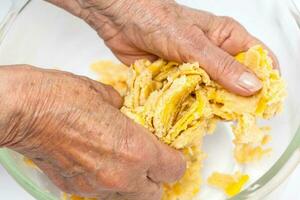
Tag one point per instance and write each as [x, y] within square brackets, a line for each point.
[162, 28]
[70, 126]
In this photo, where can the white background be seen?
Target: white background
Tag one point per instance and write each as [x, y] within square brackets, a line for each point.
[11, 191]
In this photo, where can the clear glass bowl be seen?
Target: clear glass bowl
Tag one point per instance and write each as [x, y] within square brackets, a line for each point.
[37, 33]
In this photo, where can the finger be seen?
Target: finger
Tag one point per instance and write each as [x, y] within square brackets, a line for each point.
[170, 165]
[164, 163]
[228, 34]
[233, 38]
[243, 42]
[220, 65]
[228, 72]
[135, 149]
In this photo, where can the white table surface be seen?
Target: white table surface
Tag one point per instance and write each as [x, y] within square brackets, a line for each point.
[10, 190]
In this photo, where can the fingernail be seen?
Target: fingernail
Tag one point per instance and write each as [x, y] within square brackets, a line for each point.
[250, 82]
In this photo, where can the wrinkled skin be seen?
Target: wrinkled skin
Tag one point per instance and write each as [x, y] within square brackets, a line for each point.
[71, 126]
[162, 28]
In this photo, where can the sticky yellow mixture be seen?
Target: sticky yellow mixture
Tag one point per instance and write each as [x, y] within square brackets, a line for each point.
[112, 74]
[231, 184]
[180, 104]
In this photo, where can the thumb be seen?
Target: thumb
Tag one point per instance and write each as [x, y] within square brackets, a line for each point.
[170, 165]
[228, 72]
[220, 65]
[108, 93]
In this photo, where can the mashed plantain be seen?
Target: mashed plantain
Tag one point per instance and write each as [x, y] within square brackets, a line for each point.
[231, 184]
[180, 104]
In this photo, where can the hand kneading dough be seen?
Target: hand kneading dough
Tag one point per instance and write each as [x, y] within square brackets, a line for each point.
[180, 104]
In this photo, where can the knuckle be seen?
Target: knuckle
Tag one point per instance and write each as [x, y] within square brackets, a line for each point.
[114, 181]
[92, 2]
[215, 37]
[223, 31]
[229, 20]
[194, 35]
[193, 41]
[88, 3]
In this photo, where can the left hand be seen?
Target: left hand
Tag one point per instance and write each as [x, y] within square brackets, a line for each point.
[72, 129]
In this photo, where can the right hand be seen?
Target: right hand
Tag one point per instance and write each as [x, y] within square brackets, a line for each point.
[162, 28]
[72, 129]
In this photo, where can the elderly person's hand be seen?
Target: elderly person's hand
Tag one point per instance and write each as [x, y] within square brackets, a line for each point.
[71, 127]
[162, 28]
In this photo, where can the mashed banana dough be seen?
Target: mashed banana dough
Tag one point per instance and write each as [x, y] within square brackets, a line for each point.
[180, 104]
